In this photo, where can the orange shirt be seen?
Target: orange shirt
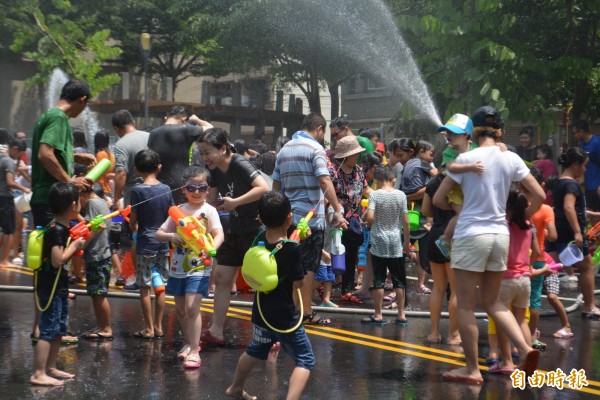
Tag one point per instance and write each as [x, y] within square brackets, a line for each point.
[540, 220]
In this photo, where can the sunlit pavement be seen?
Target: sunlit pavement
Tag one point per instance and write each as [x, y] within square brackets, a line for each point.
[354, 361]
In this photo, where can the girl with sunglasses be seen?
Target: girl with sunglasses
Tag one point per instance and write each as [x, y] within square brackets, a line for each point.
[188, 278]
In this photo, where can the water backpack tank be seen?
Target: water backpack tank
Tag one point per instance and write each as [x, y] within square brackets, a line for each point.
[34, 248]
[259, 268]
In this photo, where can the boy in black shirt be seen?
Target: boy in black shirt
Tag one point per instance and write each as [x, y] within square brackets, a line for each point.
[278, 308]
[63, 198]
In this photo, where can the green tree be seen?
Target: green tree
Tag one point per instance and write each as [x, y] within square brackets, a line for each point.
[526, 56]
[57, 34]
[183, 33]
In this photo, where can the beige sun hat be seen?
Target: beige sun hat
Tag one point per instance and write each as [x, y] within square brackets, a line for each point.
[347, 146]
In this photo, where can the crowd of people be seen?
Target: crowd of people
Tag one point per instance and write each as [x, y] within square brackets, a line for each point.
[388, 204]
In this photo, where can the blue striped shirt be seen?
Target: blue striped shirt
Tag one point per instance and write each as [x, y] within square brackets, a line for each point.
[298, 166]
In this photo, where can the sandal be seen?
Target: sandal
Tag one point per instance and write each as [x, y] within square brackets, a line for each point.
[424, 290]
[563, 334]
[184, 352]
[351, 298]
[329, 304]
[593, 315]
[313, 320]
[192, 361]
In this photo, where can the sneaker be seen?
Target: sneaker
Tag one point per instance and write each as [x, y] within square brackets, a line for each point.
[17, 261]
[444, 247]
[131, 288]
[120, 281]
[573, 278]
[541, 346]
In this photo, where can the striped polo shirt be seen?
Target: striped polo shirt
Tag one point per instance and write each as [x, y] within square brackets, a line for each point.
[298, 166]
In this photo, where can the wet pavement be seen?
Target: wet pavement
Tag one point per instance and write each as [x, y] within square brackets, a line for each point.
[353, 361]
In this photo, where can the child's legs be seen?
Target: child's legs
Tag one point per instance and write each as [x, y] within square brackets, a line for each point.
[552, 286]
[161, 262]
[146, 304]
[535, 302]
[298, 382]
[398, 273]
[6, 243]
[450, 228]
[102, 311]
[327, 287]
[379, 277]
[367, 278]
[243, 369]
[586, 282]
[297, 346]
[196, 287]
[181, 317]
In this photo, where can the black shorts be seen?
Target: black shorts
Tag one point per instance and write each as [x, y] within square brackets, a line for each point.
[232, 251]
[42, 214]
[311, 248]
[7, 215]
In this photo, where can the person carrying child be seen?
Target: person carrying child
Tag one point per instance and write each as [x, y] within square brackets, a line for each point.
[277, 308]
[387, 216]
[189, 281]
[52, 284]
[98, 266]
[150, 203]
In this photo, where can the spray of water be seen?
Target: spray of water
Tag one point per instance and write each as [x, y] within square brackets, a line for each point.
[58, 78]
[362, 33]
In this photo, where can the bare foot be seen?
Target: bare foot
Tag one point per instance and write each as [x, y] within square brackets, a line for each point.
[239, 394]
[58, 374]
[462, 375]
[274, 352]
[44, 380]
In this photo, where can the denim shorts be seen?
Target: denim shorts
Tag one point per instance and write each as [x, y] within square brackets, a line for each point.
[325, 274]
[53, 322]
[296, 344]
[188, 285]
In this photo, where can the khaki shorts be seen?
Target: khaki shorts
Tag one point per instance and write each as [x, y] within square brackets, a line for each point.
[487, 252]
[515, 292]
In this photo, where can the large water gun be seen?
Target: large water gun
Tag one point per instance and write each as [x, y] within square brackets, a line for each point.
[555, 267]
[593, 233]
[302, 228]
[193, 233]
[83, 228]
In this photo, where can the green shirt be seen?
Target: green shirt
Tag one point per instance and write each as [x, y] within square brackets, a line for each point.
[450, 154]
[51, 128]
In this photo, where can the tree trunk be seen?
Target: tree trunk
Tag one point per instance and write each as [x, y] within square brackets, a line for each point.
[334, 91]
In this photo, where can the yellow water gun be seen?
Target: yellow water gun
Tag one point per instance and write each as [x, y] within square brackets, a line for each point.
[193, 232]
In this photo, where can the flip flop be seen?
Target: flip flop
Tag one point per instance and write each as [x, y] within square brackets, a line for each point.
[593, 315]
[530, 363]
[449, 376]
[329, 304]
[434, 341]
[402, 322]
[370, 320]
[497, 369]
[96, 336]
[563, 334]
[140, 335]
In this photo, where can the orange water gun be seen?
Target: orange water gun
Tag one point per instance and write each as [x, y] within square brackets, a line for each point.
[302, 228]
[593, 233]
[83, 228]
[193, 232]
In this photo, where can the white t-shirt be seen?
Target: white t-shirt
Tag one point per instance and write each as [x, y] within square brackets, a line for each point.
[484, 209]
[181, 256]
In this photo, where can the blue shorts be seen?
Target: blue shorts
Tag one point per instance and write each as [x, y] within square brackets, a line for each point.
[188, 285]
[325, 274]
[53, 322]
[296, 344]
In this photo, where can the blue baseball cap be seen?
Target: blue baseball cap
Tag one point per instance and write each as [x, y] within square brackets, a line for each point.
[458, 124]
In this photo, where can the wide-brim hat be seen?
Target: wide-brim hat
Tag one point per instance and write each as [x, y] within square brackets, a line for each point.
[347, 146]
[458, 124]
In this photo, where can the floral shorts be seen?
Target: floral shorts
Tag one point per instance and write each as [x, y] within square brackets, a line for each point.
[97, 276]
